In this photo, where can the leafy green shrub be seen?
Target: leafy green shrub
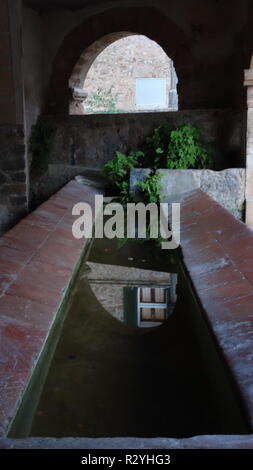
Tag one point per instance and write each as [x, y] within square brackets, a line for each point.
[186, 149]
[156, 151]
[151, 188]
[182, 148]
[120, 166]
[118, 170]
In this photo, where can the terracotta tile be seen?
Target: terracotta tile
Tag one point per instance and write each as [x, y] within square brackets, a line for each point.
[27, 311]
[5, 281]
[46, 276]
[18, 244]
[38, 258]
[42, 220]
[34, 236]
[58, 254]
[9, 267]
[218, 277]
[32, 291]
[19, 349]
[225, 293]
[8, 253]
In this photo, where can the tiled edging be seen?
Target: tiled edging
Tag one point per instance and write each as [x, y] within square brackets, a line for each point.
[217, 252]
[38, 260]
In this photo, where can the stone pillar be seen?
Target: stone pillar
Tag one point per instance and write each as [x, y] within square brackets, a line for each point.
[78, 96]
[13, 169]
[249, 150]
[173, 95]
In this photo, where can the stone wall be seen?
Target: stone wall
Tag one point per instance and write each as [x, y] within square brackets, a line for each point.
[13, 201]
[97, 138]
[118, 67]
[90, 141]
[21, 86]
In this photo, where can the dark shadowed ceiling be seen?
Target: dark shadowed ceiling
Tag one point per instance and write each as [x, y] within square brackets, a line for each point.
[45, 5]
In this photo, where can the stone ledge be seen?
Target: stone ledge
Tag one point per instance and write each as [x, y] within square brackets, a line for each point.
[217, 251]
[38, 258]
[198, 442]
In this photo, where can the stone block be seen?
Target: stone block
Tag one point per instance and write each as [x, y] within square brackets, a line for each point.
[177, 182]
[137, 176]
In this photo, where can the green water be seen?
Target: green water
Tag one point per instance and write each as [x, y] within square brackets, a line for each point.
[108, 379]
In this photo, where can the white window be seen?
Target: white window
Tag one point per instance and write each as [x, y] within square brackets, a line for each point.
[151, 92]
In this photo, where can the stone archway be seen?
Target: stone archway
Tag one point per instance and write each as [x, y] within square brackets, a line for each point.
[90, 36]
[117, 61]
[249, 150]
[83, 65]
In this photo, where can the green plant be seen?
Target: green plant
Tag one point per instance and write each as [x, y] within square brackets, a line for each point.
[118, 169]
[182, 148]
[157, 147]
[186, 149]
[125, 196]
[151, 188]
[41, 145]
[102, 102]
[165, 148]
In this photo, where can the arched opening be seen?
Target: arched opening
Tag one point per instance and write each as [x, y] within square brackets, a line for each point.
[122, 73]
[93, 35]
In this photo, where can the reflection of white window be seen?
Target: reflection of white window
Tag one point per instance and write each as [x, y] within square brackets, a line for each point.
[152, 306]
[151, 92]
